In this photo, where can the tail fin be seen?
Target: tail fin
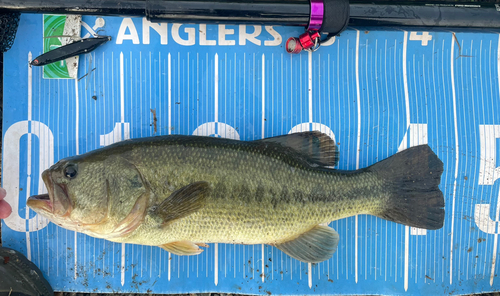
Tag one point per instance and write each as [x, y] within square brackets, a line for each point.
[413, 177]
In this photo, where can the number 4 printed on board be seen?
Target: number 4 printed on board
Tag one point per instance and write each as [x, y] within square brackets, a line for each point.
[424, 38]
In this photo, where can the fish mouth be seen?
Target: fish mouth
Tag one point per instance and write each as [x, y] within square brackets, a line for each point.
[56, 201]
[40, 202]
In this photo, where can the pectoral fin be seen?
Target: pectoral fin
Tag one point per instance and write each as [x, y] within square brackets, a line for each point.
[182, 202]
[182, 248]
[316, 245]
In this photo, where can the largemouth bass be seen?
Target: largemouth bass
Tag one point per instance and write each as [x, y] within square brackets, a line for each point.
[181, 192]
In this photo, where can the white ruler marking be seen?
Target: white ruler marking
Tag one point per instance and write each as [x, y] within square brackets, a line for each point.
[309, 91]
[405, 79]
[75, 248]
[358, 142]
[169, 111]
[309, 70]
[216, 88]
[408, 121]
[28, 187]
[216, 115]
[263, 96]
[457, 153]
[122, 91]
[122, 120]
[122, 267]
[216, 264]
[169, 265]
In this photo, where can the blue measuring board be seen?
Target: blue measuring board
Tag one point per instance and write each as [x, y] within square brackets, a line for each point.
[374, 91]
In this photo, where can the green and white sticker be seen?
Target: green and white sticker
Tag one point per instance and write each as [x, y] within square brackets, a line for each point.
[59, 30]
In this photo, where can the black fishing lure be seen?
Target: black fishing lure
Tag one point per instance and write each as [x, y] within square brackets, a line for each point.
[70, 50]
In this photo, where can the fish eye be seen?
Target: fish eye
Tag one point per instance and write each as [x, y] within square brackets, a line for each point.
[70, 171]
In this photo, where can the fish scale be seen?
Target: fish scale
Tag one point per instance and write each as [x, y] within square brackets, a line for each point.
[254, 218]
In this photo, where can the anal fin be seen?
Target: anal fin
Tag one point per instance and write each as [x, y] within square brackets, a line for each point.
[182, 248]
[316, 245]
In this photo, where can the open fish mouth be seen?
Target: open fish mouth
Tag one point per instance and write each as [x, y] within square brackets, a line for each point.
[43, 202]
[56, 202]
[40, 202]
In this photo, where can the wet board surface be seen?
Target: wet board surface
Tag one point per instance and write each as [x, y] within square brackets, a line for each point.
[374, 91]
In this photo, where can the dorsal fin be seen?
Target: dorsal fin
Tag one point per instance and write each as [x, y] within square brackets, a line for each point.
[318, 147]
